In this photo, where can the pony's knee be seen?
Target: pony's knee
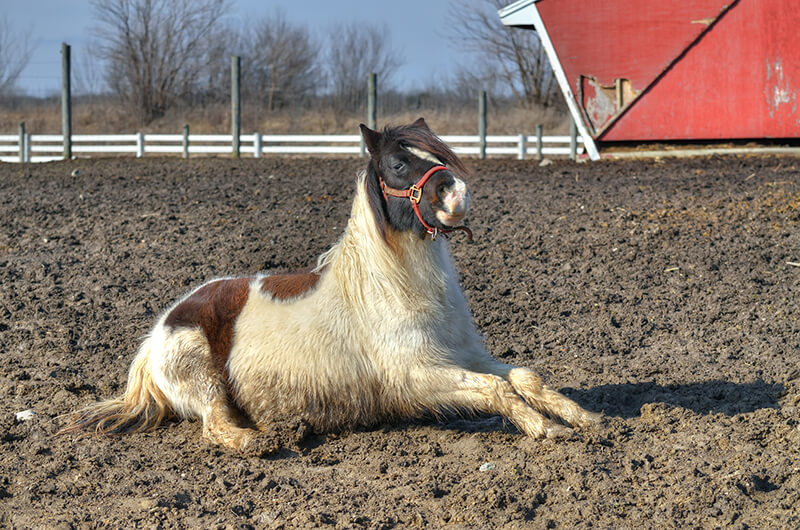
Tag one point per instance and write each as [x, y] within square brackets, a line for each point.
[531, 387]
[525, 380]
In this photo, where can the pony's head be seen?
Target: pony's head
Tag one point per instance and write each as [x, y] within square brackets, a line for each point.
[413, 180]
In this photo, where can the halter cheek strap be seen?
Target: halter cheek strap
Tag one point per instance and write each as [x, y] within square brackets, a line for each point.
[414, 194]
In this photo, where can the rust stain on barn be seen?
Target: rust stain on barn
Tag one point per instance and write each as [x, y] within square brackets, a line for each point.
[657, 70]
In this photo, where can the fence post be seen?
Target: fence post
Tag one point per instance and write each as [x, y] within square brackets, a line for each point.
[22, 141]
[372, 101]
[257, 145]
[482, 124]
[27, 155]
[573, 140]
[522, 147]
[372, 107]
[236, 103]
[139, 145]
[186, 141]
[539, 135]
[66, 101]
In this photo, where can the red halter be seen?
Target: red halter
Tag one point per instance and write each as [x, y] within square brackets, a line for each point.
[414, 194]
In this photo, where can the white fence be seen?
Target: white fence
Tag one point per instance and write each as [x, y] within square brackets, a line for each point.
[48, 147]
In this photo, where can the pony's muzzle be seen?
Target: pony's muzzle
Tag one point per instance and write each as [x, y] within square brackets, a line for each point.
[455, 203]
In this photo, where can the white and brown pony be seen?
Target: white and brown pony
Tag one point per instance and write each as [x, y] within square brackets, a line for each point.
[378, 330]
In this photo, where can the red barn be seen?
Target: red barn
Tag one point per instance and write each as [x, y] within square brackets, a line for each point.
[655, 70]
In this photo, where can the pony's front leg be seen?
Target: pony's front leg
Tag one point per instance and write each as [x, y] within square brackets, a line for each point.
[531, 387]
[490, 393]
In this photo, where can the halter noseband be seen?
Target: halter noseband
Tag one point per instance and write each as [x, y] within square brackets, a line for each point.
[414, 194]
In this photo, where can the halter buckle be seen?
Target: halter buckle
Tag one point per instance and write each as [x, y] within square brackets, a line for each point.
[415, 194]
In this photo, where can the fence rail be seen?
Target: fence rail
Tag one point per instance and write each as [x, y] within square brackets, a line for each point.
[49, 147]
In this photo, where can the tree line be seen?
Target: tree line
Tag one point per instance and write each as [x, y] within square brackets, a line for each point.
[154, 55]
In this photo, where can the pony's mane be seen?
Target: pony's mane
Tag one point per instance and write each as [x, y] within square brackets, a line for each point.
[424, 139]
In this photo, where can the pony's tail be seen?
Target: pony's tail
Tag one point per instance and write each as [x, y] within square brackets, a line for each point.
[142, 408]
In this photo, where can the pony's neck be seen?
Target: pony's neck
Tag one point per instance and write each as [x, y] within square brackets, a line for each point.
[401, 270]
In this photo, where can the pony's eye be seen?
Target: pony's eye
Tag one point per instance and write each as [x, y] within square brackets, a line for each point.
[398, 166]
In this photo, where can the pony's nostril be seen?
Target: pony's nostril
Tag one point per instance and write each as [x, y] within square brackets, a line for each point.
[456, 202]
[465, 200]
[456, 198]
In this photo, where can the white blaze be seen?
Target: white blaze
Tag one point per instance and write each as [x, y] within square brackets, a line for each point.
[419, 153]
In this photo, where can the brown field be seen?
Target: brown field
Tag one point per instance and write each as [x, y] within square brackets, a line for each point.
[662, 294]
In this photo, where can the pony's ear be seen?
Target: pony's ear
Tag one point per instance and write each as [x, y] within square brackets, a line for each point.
[371, 138]
[421, 124]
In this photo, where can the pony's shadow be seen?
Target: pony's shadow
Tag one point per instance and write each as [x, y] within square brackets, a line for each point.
[624, 401]
[722, 397]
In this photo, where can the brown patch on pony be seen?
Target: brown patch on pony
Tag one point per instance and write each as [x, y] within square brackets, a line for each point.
[285, 286]
[213, 308]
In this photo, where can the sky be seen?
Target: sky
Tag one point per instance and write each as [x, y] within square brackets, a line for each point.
[418, 29]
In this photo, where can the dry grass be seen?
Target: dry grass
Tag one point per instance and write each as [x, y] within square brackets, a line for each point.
[109, 118]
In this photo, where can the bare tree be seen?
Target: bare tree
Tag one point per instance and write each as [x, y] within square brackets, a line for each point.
[354, 51]
[213, 83]
[156, 49]
[282, 62]
[513, 56]
[15, 51]
[87, 71]
[481, 74]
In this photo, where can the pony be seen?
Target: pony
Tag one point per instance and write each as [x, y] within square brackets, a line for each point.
[378, 330]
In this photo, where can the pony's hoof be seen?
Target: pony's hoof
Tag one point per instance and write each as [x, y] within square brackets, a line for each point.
[559, 432]
[589, 420]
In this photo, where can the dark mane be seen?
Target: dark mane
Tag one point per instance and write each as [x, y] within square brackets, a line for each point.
[423, 138]
[376, 201]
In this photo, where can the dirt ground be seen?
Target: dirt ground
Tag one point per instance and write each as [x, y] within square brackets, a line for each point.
[661, 293]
